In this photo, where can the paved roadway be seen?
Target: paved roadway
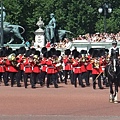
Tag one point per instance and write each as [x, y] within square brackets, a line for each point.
[64, 103]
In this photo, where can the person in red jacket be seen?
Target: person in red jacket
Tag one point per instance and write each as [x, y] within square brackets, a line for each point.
[28, 67]
[13, 67]
[36, 69]
[77, 70]
[96, 73]
[67, 65]
[51, 73]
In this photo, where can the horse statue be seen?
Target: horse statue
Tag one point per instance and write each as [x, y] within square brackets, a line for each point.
[59, 35]
[112, 72]
[13, 30]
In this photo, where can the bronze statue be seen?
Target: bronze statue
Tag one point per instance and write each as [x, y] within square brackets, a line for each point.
[50, 29]
[52, 34]
[10, 30]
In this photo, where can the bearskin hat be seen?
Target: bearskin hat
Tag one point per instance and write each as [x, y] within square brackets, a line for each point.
[32, 51]
[53, 51]
[83, 52]
[102, 52]
[73, 51]
[48, 54]
[67, 52]
[58, 53]
[27, 53]
[8, 51]
[22, 50]
[37, 53]
[43, 50]
[76, 54]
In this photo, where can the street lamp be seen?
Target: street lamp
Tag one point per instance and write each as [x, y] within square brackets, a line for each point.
[105, 8]
[1, 23]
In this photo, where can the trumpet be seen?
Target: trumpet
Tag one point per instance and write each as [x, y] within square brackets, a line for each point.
[96, 64]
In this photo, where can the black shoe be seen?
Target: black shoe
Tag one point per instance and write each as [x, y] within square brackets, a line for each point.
[33, 87]
[94, 87]
[19, 85]
[66, 83]
[56, 86]
[101, 87]
[107, 85]
[11, 85]
[6, 84]
[83, 86]
[88, 84]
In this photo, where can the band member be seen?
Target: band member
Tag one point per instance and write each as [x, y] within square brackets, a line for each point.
[77, 70]
[84, 63]
[51, 70]
[13, 67]
[20, 59]
[28, 62]
[96, 73]
[2, 67]
[35, 69]
[67, 60]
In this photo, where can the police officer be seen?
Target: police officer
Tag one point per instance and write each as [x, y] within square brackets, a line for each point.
[114, 50]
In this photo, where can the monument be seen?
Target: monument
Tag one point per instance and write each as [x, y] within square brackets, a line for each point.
[39, 34]
[10, 31]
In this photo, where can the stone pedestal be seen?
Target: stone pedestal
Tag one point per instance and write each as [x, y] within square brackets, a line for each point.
[39, 38]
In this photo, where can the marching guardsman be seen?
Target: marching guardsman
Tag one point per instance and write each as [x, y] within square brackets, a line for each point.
[43, 66]
[35, 69]
[96, 71]
[28, 62]
[50, 70]
[20, 59]
[77, 70]
[67, 65]
[84, 64]
[59, 65]
[13, 67]
[2, 67]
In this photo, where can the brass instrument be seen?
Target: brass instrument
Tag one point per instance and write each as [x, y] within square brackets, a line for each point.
[36, 60]
[13, 60]
[12, 57]
[96, 64]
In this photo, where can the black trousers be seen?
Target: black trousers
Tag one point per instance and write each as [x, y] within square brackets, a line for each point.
[34, 78]
[66, 73]
[26, 76]
[13, 78]
[75, 76]
[43, 75]
[94, 80]
[52, 77]
[85, 76]
[5, 77]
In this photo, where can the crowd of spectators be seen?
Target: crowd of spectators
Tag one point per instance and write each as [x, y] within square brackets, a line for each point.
[98, 37]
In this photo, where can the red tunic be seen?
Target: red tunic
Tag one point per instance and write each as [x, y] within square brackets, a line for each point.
[11, 67]
[43, 64]
[27, 66]
[67, 64]
[50, 67]
[76, 67]
[2, 66]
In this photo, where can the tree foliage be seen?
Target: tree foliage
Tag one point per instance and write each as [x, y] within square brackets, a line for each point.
[78, 16]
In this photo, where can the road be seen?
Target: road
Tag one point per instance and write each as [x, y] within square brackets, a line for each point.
[65, 102]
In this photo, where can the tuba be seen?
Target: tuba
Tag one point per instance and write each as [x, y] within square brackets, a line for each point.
[12, 57]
